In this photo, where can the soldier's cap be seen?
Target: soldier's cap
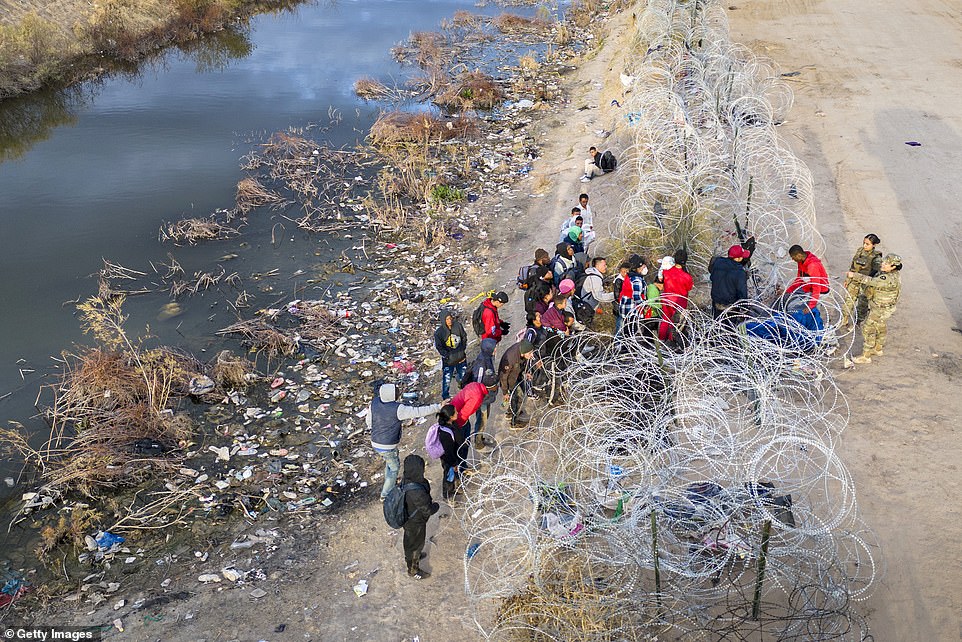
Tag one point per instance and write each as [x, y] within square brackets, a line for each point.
[893, 259]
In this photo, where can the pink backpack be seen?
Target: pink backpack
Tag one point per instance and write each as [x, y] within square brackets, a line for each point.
[432, 442]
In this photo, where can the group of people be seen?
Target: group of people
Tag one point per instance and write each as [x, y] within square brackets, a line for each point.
[562, 295]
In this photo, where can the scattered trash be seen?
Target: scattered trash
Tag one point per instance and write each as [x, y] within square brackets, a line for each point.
[201, 385]
[360, 589]
[913, 143]
[106, 540]
[207, 578]
[258, 593]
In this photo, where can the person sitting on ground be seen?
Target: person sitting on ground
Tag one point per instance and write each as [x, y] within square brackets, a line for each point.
[554, 317]
[674, 299]
[494, 327]
[592, 165]
[867, 262]
[452, 441]
[575, 220]
[510, 370]
[420, 507]
[616, 294]
[575, 240]
[384, 418]
[593, 287]
[633, 288]
[588, 220]
[450, 340]
[483, 370]
[812, 279]
[563, 262]
[729, 280]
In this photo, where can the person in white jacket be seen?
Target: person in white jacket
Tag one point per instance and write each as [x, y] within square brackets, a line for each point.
[593, 288]
[588, 220]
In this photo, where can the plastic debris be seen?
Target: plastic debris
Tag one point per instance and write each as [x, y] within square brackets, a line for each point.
[360, 589]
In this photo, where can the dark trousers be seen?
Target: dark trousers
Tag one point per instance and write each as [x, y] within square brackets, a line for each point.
[414, 534]
[447, 487]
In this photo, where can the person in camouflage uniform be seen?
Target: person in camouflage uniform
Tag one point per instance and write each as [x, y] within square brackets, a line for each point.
[882, 292]
[867, 261]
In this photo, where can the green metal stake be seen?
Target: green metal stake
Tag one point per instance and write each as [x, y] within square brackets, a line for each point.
[654, 554]
[762, 558]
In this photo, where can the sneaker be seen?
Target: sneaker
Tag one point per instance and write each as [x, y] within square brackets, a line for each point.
[585, 178]
[418, 574]
[876, 352]
[862, 359]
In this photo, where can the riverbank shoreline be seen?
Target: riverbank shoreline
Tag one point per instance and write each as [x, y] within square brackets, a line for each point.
[46, 45]
[473, 219]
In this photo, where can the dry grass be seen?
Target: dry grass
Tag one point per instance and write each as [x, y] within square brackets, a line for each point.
[109, 399]
[398, 128]
[371, 89]
[230, 372]
[251, 193]
[510, 23]
[191, 231]
[471, 90]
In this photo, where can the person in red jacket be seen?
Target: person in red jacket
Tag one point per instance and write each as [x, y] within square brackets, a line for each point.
[494, 327]
[812, 279]
[467, 402]
[674, 298]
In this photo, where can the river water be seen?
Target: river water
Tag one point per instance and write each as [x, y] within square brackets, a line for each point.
[92, 172]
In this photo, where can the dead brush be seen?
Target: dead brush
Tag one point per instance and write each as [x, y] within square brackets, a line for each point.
[261, 336]
[471, 90]
[251, 193]
[191, 231]
[108, 399]
[581, 12]
[68, 531]
[371, 89]
[398, 128]
[230, 372]
[511, 23]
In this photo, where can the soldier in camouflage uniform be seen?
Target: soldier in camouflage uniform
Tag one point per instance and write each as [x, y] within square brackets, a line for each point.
[882, 292]
[867, 261]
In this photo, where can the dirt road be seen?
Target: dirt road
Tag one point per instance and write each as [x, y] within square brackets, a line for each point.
[872, 78]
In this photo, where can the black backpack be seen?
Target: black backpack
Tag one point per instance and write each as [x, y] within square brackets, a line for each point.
[395, 511]
[608, 162]
[476, 321]
[584, 312]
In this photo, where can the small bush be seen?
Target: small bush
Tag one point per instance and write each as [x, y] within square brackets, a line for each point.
[474, 89]
[446, 194]
[397, 127]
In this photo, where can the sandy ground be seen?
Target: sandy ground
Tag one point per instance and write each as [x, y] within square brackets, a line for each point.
[871, 79]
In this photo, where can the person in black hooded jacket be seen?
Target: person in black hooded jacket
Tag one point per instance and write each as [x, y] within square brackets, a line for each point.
[417, 502]
[453, 458]
[451, 340]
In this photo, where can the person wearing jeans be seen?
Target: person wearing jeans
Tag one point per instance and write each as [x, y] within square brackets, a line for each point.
[384, 418]
[450, 340]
